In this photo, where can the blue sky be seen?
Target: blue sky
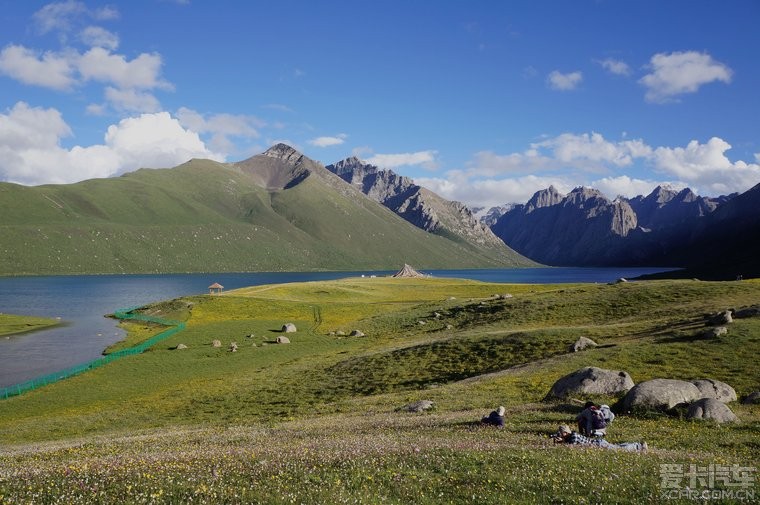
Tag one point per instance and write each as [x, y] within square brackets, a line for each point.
[484, 102]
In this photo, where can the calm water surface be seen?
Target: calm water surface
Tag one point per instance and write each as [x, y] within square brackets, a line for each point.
[82, 301]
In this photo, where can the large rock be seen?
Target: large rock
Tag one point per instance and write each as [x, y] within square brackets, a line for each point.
[710, 408]
[720, 391]
[661, 394]
[289, 328]
[591, 381]
[582, 343]
[283, 340]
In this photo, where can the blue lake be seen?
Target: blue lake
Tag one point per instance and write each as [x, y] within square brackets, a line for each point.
[81, 302]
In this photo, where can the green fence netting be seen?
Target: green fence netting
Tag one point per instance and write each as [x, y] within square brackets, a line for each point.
[173, 327]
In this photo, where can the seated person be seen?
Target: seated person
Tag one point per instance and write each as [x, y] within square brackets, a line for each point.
[591, 422]
[565, 435]
[495, 418]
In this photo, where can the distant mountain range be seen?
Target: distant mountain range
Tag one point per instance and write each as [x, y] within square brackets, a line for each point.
[709, 237]
[418, 205]
[275, 211]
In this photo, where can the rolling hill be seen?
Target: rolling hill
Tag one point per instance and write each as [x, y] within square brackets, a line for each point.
[275, 211]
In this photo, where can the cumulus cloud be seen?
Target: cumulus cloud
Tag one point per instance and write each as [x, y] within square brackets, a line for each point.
[616, 67]
[569, 160]
[707, 167]
[564, 82]
[682, 72]
[130, 100]
[591, 151]
[48, 70]
[457, 185]
[128, 82]
[64, 16]
[221, 127]
[425, 159]
[95, 36]
[630, 187]
[329, 141]
[99, 64]
[31, 151]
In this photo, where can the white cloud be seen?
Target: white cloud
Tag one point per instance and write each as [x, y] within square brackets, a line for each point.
[221, 127]
[593, 151]
[457, 185]
[681, 72]
[567, 160]
[58, 15]
[64, 70]
[131, 100]
[564, 82]
[127, 81]
[616, 67]
[426, 159]
[99, 64]
[706, 167]
[31, 151]
[489, 164]
[95, 36]
[49, 70]
[329, 141]
[629, 187]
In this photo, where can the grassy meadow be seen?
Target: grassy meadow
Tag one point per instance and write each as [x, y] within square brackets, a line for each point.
[318, 420]
[12, 324]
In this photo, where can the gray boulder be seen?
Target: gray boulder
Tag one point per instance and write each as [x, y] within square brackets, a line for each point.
[582, 343]
[419, 406]
[181, 346]
[591, 381]
[710, 408]
[661, 394]
[289, 328]
[356, 333]
[283, 340]
[216, 343]
[720, 391]
[752, 398]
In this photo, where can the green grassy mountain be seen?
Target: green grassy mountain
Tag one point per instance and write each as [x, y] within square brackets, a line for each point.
[275, 211]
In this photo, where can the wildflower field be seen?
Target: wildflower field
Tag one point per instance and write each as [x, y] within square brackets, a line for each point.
[320, 420]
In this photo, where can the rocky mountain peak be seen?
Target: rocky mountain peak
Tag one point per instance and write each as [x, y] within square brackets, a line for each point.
[581, 195]
[661, 195]
[687, 195]
[544, 198]
[284, 153]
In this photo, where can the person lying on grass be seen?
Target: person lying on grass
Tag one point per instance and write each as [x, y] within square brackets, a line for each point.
[495, 418]
[565, 435]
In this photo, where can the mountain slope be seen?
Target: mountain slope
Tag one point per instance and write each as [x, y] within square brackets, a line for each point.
[416, 204]
[567, 230]
[276, 211]
[721, 245]
[584, 228]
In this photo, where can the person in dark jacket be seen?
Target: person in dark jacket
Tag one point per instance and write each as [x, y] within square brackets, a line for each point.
[495, 418]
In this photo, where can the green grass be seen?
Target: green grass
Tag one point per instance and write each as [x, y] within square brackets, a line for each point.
[11, 324]
[204, 216]
[316, 420]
